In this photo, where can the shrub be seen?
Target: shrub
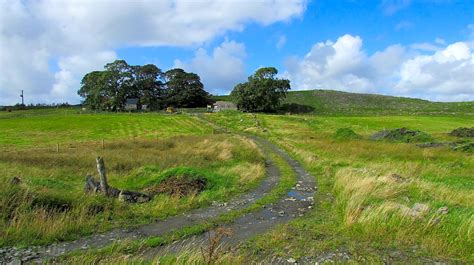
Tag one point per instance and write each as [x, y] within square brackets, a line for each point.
[346, 134]
[403, 135]
[462, 132]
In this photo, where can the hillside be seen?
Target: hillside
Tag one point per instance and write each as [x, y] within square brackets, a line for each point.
[330, 102]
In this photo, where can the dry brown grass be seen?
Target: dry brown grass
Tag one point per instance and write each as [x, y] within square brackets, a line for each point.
[48, 175]
[248, 172]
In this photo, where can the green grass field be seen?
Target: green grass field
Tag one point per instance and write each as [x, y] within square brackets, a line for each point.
[363, 207]
[50, 204]
[367, 190]
[330, 102]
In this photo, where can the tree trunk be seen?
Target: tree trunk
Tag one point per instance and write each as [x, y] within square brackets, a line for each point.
[104, 186]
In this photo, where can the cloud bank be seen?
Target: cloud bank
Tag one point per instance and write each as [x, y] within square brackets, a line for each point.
[433, 71]
[221, 70]
[49, 45]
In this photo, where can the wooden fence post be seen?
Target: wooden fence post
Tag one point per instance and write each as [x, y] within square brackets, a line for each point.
[104, 186]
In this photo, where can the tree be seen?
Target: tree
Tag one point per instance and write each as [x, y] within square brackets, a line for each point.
[262, 92]
[94, 88]
[121, 81]
[184, 89]
[148, 85]
[109, 89]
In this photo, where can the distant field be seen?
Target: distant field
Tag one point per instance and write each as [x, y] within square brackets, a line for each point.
[43, 128]
[330, 102]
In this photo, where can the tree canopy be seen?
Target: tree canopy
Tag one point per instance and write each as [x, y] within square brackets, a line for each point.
[263, 92]
[109, 89]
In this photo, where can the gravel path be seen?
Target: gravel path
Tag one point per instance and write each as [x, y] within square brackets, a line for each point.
[161, 227]
[298, 201]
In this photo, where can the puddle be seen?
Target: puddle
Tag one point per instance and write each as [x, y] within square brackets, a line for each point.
[296, 195]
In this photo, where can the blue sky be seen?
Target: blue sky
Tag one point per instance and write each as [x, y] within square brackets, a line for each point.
[398, 47]
[417, 22]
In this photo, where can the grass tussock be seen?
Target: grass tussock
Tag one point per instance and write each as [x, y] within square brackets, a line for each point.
[389, 207]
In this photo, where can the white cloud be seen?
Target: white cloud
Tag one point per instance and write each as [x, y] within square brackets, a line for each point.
[445, 73]
[35, 34]
[448, 72]
[72, 69]
[221, 70]
[281, 42]
[403, 25]
[425, 46]
[391, 7]
[440, 41]
[341, 65]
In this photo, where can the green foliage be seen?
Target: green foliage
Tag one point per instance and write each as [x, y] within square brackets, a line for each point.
[262, 92]
[466, 146]
[462, 132]
[403, 135]
[184, 89]
[109, 89]
[346, 134]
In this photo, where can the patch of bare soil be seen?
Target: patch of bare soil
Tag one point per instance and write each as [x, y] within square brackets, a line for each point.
[178, 186]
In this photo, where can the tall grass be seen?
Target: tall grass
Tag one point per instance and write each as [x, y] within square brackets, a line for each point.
[368, 189]
[49, 205]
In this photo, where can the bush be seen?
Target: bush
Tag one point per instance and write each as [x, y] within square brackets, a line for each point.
[346, 134]
[403, 135]
[462, 132]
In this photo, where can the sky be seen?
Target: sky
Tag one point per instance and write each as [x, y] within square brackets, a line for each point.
[422, 49]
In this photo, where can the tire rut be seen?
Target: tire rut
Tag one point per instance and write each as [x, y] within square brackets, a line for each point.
[159, 228]
[295, 203]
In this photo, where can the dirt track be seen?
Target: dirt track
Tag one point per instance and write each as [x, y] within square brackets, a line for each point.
[294, 204]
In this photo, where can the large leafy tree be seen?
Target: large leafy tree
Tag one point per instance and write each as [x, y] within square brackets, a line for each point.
[121, 80]
[263, 92]
[184, 89]
[109, 89]
[148, 85]
[95, 87]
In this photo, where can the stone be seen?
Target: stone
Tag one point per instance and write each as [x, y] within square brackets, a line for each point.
[443, 210]
[291, 260]
[15, 181]
[419, 209]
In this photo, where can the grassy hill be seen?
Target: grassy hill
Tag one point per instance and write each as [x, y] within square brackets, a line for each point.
[330, 102]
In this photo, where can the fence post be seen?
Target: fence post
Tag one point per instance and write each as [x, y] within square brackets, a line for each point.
[104, 186]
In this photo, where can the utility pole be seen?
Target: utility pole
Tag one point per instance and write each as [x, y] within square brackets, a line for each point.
[22, 98]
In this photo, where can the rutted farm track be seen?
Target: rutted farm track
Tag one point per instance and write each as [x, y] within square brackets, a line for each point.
[295, 203]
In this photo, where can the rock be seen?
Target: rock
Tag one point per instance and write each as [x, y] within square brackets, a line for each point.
[281, 213]
[133, 197]
[14, 262]
[291, 260]
[15, 181]
[443, 210]
[397, 178]
[462, 132]
[419, 209]
[430, 145]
